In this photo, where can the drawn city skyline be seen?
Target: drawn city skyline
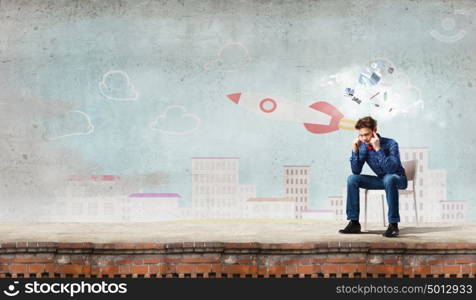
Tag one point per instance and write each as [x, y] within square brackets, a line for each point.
[217, 193]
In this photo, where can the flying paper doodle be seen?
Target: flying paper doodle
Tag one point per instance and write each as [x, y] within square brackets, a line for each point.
[380, 89]
[319, 117]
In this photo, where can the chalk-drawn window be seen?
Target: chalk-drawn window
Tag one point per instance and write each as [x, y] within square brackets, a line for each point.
[108, 208]
[77, 208]
[92, 208]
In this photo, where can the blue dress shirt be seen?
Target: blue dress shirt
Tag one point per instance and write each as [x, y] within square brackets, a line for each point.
[382, 162]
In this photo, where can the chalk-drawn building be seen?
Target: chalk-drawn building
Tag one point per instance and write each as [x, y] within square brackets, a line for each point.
[296, 186]
[318, 214]
[453, 211]
[216, 191]
[151, 207]
[336, 204]
[87, 199]
[271, 208]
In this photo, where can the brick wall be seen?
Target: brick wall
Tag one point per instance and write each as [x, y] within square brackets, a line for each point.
[237, 260]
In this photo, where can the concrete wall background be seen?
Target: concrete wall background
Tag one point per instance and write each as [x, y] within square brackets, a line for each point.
[82, 81]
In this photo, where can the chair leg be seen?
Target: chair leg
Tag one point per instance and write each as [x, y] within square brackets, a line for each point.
[365, 211]
[383, 211]
[416, 207]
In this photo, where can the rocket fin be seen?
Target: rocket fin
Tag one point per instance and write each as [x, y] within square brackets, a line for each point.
[330, 110]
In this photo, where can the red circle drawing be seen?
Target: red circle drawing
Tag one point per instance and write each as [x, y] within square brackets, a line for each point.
[268, 100]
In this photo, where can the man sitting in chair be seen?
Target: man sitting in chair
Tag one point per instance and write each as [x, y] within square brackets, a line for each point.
[382, 156]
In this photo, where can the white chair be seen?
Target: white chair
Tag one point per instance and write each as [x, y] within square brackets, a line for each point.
[410, 172]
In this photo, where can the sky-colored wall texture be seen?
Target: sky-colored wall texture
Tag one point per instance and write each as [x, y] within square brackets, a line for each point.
[137, 88]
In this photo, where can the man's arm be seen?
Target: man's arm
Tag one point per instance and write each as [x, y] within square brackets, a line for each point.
[390, 163]
[357, 159]
[357, 162]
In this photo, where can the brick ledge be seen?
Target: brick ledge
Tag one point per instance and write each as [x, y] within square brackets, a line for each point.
[225, 247]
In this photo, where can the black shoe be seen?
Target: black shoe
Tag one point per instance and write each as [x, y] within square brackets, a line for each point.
[392, 230]
[352, 227]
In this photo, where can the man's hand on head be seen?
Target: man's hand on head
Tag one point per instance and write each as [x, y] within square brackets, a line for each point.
[375, 141]
[355, 146]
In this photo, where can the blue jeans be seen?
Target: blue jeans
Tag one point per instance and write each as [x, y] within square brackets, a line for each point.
[390, 183]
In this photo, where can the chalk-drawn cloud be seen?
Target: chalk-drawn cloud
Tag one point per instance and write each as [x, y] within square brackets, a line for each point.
[117, 86]
[70, 123]
[175, 120]
[230, 58]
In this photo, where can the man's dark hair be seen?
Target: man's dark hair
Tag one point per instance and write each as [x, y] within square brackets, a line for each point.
[366, 122]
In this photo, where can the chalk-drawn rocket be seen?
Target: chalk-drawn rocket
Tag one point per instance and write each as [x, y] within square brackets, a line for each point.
[319, 117]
